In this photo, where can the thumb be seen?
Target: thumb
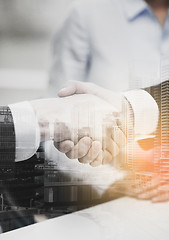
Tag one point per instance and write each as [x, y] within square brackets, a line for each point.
[77, 87]
[71, 88]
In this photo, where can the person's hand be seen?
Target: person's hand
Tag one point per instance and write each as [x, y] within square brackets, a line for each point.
[133, 146]
[97, 118]
[157, 190]
[113, 98]
[80, 129]
[55, 118]
[77, 87]
[141, 185]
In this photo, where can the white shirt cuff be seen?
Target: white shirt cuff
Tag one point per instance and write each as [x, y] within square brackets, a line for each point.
[146, 112]
[27, 133]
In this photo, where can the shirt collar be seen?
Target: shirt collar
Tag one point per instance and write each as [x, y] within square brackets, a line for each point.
[134, 8]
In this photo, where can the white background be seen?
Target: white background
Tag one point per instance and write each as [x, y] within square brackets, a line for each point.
[27, 28]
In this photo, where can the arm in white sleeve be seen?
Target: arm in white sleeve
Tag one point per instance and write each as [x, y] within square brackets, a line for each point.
[27, 131]
[145, 112]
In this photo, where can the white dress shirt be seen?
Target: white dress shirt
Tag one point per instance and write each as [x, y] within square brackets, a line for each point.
[117, 44]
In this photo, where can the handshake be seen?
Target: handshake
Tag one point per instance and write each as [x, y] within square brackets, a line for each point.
[84, 123]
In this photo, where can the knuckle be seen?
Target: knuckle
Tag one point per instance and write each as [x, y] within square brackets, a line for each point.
[83, 160]
[70, 154]
[81, 152]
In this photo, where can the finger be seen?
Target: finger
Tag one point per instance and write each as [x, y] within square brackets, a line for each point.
[77, 87]
[108, 124]
[107, 157]
[110, 146]
[98, 160]
[118, 136]
[67, 91]
[80, 149]
[92, 153]
[72, 87]
[161, 197]
[83, 132]
[149, 194]
[65, 146]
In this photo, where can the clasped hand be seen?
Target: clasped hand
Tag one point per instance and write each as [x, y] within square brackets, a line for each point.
[84, 127]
